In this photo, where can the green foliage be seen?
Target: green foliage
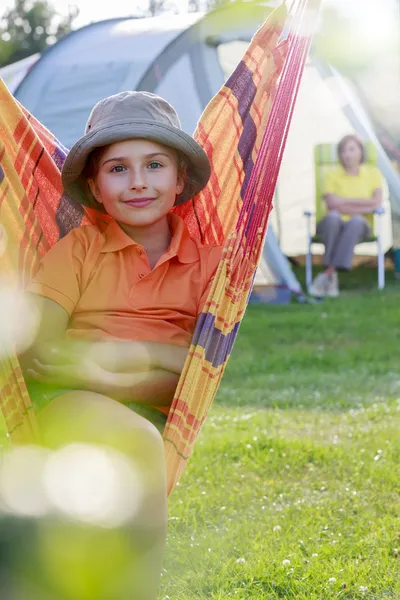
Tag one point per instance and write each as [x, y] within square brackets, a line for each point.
[30, 27]
[351, 45]
[293, 489]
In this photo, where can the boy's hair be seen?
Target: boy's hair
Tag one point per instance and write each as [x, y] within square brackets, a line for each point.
[111, 121]
[350, 138]
[93, 162]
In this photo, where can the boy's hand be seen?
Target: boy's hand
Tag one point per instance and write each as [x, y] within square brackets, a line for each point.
[151, 387]
[61, 353]
[85, 375]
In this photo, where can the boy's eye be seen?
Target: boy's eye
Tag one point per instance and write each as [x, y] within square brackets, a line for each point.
[154, 165]
[118, 169]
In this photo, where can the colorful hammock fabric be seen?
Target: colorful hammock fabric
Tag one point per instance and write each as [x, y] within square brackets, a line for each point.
[243, 130]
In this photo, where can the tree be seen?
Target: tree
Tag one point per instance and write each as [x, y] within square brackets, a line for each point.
[30, 27]
[194, 5]
[155, 7]
[350, 44]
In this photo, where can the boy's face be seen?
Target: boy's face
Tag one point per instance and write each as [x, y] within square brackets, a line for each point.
[137, 182]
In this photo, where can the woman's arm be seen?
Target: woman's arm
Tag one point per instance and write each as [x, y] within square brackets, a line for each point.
[354, 206]
[334, 202]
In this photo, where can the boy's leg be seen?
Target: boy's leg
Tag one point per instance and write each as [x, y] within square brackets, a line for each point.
[124, 561]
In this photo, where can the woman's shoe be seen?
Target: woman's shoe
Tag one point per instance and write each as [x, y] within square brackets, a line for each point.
[319, 286]
[332, 290]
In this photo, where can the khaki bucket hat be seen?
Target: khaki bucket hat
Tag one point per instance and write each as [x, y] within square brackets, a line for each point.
[130, 115]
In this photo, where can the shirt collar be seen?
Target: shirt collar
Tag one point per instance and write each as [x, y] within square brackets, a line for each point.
[360, 170]
[181, 245]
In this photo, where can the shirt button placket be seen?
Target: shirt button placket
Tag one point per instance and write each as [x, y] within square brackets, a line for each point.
[142, 274]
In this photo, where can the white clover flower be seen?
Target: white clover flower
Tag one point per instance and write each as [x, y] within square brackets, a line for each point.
[363, 589]
[332, 580]
[286, 562]
[241, 561]
[277, 528]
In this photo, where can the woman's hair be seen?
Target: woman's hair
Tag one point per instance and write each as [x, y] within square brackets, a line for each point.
[344, 141]
[93, 163]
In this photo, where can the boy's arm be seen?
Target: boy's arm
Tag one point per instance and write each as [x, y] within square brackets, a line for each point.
[50, 346]
[126, 356]
[50, 333]
[154, 387]
[52, 359]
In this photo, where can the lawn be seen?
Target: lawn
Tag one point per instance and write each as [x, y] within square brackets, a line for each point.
[293, 490]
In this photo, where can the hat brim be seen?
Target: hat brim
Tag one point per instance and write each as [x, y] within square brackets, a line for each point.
[75, 185]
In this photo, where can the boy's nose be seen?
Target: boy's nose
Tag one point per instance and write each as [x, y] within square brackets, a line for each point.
[138, 180]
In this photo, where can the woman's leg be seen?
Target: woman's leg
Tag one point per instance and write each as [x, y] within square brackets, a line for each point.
[354, 230]
[88, 418]
[329, 229]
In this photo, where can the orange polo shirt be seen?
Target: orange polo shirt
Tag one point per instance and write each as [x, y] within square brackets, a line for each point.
[105, 283]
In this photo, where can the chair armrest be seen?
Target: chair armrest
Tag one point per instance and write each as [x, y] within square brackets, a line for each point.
[379, 211]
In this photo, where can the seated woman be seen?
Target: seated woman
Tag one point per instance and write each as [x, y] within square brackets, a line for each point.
[352, 192]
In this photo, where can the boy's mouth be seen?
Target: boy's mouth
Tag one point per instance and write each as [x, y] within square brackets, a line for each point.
[139, 202]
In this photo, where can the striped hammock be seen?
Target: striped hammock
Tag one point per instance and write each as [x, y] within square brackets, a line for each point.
[243, 130]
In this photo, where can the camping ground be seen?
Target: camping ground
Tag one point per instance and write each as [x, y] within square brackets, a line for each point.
[293, 488]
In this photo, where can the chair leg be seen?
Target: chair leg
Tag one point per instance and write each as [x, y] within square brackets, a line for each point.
[309, 266]
[307, 214]
[381, 265]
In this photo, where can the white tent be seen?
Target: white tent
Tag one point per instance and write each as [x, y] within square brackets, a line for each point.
[322, 115]
[13, 74]
[318, 118]
[174, 56]
[186, 58]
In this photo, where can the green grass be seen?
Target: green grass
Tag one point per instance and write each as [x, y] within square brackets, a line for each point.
[299, 460]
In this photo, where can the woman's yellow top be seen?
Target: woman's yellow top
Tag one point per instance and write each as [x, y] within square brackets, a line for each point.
[361, 186]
